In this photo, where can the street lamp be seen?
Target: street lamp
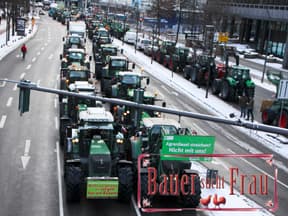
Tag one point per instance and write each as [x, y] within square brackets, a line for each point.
[266, 52]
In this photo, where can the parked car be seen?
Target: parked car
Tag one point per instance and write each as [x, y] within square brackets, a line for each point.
[142, 43]
[130, 37]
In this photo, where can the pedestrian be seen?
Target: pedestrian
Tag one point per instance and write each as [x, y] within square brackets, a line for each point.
[243, 105]
[250, 107]
[23, 50]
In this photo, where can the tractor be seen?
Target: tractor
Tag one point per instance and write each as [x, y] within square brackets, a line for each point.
[110, 71]
[236, 82]
[75, 55]
[275, 112]
[95, 164]
[72, 41]
[177, 61]
[166, 48]
[150, 140]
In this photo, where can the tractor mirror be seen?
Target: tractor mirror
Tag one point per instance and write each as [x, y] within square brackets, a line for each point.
[84, 40]
[164, 104]
[90, 58]
[147, 81]
[61, 56]
[63, 39]
[121, 51]
[69, 131]
[133, 65]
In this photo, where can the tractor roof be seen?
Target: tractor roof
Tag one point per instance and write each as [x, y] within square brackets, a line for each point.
[76, 50]
[123, 73]
[83, 86]
[96, 114]
[150, 122]
[118, 58]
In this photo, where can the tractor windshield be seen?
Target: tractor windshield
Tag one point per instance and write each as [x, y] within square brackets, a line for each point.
[76, 56]
[78, 75]
[74, 40]
[131, 80]
[109, 51]
[119, 64]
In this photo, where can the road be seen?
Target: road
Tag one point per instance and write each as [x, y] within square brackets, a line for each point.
[29, 151]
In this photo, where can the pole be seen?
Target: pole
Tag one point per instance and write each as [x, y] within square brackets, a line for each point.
[137, 26]
[266, 52]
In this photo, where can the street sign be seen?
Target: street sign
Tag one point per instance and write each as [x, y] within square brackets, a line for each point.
[182, 144]
[20, 26]
[283, 89]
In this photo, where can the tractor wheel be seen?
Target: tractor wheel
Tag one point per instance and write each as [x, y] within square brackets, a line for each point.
[216, 84]
[192, 200]
[283, 119]
[194, 75]
[186, 72]
[73, 180]
[227, 92]
[125, 175]
[268, 116]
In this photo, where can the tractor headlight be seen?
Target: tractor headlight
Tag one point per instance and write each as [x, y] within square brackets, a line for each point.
[75, 140]
[119, 141]
[67, 81]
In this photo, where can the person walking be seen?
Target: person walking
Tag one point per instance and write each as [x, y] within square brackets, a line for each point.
[250, 107]
[24, 51]
[243, 105]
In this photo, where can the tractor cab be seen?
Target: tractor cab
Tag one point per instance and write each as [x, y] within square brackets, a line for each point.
[74, 55]
[72, 41]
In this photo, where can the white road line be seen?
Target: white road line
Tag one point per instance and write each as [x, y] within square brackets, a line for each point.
[175, 93]
[22, 75]
[46, 44]
[18, 56]
[260, 170]
[2, 121]
[42, 48]
[28, 67]
[38, 53]
[60, 193]
[38, 82]
[199, 129]
[56, 123]
[27, 147]
[15, 87]
[138, 213]
[9, 102]
[50, 56]
[58, 77]
[3, 83]
[163, 87]
[34, 59]
[55, 103]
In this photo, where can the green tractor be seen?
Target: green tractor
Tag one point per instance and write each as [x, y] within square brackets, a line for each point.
[110, 71]
[75, 55]
[275, 112]
[95, 165]
[150, 140]
[236, 82]
[100, 57]
[167, 48]
[72, 41]
[177, 61]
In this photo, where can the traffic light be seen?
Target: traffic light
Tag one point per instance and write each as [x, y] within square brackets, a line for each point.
[24, 97]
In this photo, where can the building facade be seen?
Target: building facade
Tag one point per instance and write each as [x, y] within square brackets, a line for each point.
[255, 22]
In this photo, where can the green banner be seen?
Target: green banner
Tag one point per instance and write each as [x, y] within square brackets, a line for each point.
[182, 144]
[98, 189]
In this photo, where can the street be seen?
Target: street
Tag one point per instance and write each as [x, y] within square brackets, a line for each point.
[31, 181]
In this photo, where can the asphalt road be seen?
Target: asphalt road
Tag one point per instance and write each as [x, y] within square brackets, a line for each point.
[29, 151]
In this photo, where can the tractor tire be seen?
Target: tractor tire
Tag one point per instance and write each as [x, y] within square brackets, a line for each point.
[186, 72]
[73, 181]
[194, 75]
[192, 200]
[283, 119]
[125, 175]
[227, 92]
[216, 85]
[268, 116]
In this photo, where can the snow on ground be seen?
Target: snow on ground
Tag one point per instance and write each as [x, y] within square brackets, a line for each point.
[217, 106]
[15, 41]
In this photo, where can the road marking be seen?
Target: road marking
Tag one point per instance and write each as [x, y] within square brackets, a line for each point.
[18, 56]
[197, 128]
[138, 213]
[25, 158]
[28, 67]
[34, 59]
[163, 87]
[175, 93]
[38, 53]
[9, 102]
[46, 44]
[2, 121]
[60, 194]
[3, 83]
[58, 77]
[15, 87]
[42, 48]
[50, 56]
[55, 103]
[22, 75]
[56, 123]
[38, 82]
[260, 170]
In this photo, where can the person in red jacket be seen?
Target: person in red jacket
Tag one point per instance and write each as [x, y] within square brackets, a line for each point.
[23, 50]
